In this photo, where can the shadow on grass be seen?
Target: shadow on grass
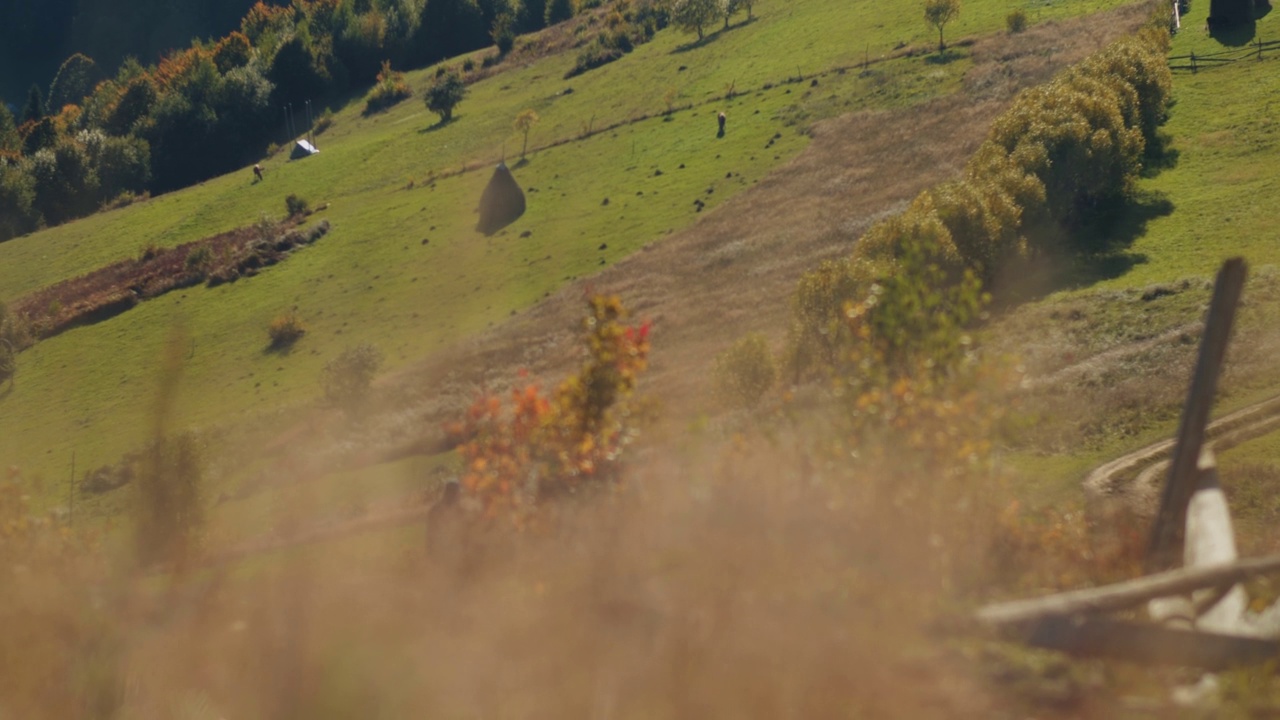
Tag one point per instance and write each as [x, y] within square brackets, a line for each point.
[946, 57]
[283, 347]
[1094, 251]
[1234, 31]
[1160, 156]
[1234, 34]
[1116, 225]
[1104, 240]
[438, 126]
[712, 37]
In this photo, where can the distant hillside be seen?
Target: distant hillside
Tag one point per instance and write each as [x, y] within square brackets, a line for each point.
[626, 159]
[178, 115]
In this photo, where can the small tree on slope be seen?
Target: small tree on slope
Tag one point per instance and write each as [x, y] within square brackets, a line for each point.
[445, 94]
[938, 13]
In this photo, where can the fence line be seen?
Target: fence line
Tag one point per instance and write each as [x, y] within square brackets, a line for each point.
[1197, 61]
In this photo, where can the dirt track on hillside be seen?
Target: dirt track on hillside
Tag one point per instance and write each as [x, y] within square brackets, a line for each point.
[1134, 480]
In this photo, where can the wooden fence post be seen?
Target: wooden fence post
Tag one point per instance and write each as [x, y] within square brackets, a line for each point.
[1164, 544]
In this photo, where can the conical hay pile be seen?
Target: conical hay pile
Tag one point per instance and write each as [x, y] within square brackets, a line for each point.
[1232, 12]
[502, 202]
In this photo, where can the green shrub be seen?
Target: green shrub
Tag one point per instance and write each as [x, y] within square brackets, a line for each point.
[198, 259]
[296, 206]
[324, 122]
[593, 55]
[627, 26]
[1072, 134]
[445, 94]
[870, 322]
[504, 33]
[315, 233]
[1016, 21]
[913, 320]
[18, 212]
[266, 226]
[347, 378]
[746, 371]
[285, 330]
[124, 199]
[816, 330]
[390, 89]
[1139, 62]
[883, 242]
[983, 221]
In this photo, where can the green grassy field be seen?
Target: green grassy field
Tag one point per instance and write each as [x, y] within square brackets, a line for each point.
[1225, 130]
[403, 268]
[1219, 200]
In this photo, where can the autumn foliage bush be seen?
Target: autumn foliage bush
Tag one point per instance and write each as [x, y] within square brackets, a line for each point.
[550, 444]
[285, 330]
[390, 89]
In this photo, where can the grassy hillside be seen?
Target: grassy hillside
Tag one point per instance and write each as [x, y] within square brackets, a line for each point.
[374, 279]
[1222, 188]
[797, 559]
[1212, 198]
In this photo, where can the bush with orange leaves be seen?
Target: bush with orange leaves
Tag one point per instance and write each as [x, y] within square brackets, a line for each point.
[550, 445]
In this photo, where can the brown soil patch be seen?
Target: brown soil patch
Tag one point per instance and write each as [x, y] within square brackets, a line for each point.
[111, 290]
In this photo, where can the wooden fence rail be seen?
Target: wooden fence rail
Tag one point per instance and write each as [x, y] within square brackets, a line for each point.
[1196, 62]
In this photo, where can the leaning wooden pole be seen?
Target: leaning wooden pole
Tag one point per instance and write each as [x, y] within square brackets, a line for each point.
[1164, 545]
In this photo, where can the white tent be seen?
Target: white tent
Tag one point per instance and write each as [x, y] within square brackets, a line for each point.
[302, 149]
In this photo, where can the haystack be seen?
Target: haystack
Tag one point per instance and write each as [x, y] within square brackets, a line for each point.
[1230, 13]
[502, 202]
[302, 149]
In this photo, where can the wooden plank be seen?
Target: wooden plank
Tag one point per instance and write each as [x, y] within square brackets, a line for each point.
[1149, 644]
[1128, 594]
[1167, 530]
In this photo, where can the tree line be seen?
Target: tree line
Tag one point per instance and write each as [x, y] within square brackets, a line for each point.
[96, 136]
[1064, 156]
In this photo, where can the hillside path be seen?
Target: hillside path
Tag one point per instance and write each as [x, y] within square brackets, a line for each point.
[1134, 479]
